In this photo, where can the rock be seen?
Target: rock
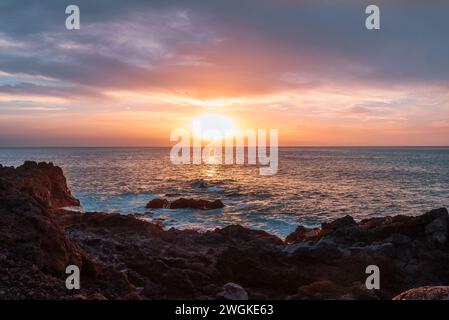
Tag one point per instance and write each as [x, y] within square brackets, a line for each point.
[151, 289]
[98, 296]
[125, 257]
[182, 203]
[232, 291]
[43, 182]
[27, 196]
[341, 223]
[438, 229]
[158, 204]
[199, 183]
[326, 289]
[400, 239]
[302, 234]
[33, 241]
[425, 293]
[239, 234]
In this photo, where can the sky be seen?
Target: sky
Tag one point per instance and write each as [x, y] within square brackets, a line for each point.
[136, 70]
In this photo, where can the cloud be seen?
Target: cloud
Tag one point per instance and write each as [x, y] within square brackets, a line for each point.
[358, 109]
[181, 45]
[288, 59]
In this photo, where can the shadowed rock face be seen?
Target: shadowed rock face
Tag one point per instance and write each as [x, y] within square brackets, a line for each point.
[34, 249]
[42, 183]
[122, 257]
[28, 228]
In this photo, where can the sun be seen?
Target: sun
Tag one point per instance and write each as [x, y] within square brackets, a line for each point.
[212, 127]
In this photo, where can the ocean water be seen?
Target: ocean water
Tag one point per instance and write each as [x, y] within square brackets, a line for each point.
[312, 184]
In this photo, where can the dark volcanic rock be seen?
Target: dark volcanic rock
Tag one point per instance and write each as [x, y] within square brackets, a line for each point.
[341, 223]
[232, 291]
[43, 182]
[34, 249]
[158, 204]
[182, 203]
[122, 257]
[302, 234]
[185, 203]
[27, 227]
[425, 293]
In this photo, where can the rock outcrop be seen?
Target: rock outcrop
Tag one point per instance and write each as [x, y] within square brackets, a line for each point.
[123, 257]
[34, 248]
[42, 183]
[185, 203]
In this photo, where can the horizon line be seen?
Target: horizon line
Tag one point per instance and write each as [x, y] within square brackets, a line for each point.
[285, 146]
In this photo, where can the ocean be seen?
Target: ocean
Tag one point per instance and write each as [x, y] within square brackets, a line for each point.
[312, 184]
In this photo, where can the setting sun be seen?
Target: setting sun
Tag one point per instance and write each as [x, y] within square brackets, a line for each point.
[210, 126]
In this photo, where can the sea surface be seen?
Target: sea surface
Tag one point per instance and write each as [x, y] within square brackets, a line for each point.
[312, 184]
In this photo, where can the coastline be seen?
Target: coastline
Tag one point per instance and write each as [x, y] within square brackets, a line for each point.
[123, 257]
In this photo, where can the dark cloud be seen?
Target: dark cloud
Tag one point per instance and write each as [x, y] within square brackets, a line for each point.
[54, 91]
[317, 39]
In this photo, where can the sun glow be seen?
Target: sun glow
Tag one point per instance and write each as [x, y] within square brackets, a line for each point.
[212, 127]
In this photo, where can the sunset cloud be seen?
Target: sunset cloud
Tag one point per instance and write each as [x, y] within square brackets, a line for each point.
[265, 62]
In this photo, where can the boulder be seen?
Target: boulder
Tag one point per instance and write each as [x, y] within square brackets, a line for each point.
[200, 204]
[158, 203]
[185, 203]
[425, 293]
[302, 234]
[232, 291]
[340, 223]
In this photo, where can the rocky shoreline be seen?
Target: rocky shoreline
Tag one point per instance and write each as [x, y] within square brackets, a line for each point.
[123, 257]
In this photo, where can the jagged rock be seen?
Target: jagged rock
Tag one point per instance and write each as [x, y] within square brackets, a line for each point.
[32, 239]
[124, 257]
[27, 194]
[425, 293]
[43, 182]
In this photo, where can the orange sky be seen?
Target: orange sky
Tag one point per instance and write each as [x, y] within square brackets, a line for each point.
[129, 79]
